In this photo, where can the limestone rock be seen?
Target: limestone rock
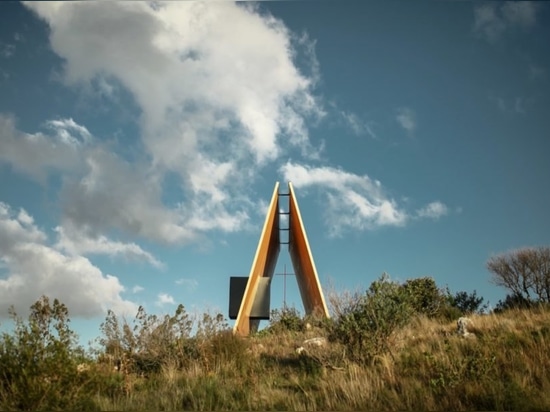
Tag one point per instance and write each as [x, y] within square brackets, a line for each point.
[315, 342]
[464, 326]
[300, 350]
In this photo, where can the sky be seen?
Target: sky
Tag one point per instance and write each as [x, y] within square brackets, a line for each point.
[140, 144]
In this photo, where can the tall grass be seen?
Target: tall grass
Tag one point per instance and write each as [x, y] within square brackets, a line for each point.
[424, 366]
[505, 367]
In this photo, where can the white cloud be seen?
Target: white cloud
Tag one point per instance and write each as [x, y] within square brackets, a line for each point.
[353, 202]
[515, 105]
[493, 19]
[79, 242]
[406, 119]
[357, 125]
[137, 289]
[36, 154]
[6, 50]
[164, 299]
[522, 14]
[33, 268]
[102, 192]
[185, 57]
[433, 210]
[220, 97]
[114, 194]
[189, 284]
[536, 72]
[69, 132]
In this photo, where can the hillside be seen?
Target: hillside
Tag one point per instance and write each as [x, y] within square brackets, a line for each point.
[424, 365]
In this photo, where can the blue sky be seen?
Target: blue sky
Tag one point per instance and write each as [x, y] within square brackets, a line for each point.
[140, 143]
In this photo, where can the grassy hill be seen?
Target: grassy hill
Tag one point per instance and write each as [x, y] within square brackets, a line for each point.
[422, 365]
[504, 367]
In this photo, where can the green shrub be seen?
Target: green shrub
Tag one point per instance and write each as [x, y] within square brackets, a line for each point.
[514, 301]
[424, 296]
[365, 327]
[38, 362]
[285, 320]
[467, 303]
[152, 342]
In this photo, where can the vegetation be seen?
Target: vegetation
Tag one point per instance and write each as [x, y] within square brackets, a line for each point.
[390, 347]
[525, 273]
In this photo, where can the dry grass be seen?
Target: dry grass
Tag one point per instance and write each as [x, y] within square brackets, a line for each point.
[429, 368]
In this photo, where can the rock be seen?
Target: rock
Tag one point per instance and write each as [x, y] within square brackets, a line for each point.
[464, 326]
[315, 342]
[82, 367]
[256, 350]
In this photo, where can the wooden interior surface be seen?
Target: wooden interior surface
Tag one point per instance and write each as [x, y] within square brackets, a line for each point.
[263, 265]
[302, 261]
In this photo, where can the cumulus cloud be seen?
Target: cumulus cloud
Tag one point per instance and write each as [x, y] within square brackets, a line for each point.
[37, 154]
[33, 268]
[406, 119]
[164, 299]
[515, 105]
[115, 194]
[7, 50]
[357, 125]
[180, 58]
[79, 242]
[137, 289]
[220, 98]
[353, 202]
[433, 210]
[94, 181]
[188, 283]
[493, 19]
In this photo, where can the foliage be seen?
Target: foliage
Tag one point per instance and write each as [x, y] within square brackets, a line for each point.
[211, 325]
[287, 319]
[421, 365]
[514, 301]
[152, 341]
[467, 303]
[367, 325]
[38, 362]
[424, 296]
[524, 272]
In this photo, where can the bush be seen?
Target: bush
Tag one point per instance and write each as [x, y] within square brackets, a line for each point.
[38, 362]
[285, 320]
[152, 342]
[424, 296]
[514, 301]
[467, 303]
[366, 326]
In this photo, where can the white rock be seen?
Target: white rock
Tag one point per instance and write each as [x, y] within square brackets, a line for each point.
[315, 342]
[462, 326]
[82, 367]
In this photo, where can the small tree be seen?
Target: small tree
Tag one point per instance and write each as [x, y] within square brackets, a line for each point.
[287, 319]
[513, 302]
[366, 326]
[424, 296]
[152, 341]
[467, 303]
[524, 272]
[38, 362]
